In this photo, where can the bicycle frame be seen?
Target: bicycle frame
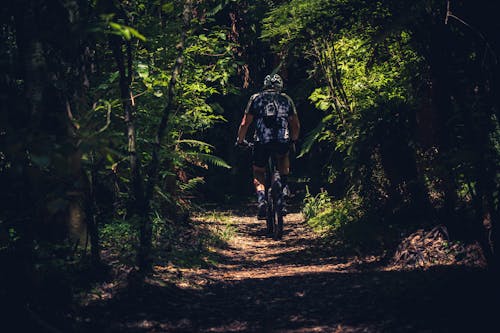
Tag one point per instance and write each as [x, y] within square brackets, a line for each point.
[274, 196]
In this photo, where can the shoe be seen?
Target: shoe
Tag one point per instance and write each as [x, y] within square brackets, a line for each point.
[284, 211]
[286, 192]
[262, 214]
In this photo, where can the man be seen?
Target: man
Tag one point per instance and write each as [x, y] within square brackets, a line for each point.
[276, 127]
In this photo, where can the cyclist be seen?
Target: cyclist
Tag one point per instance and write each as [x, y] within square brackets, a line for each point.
[276, 128]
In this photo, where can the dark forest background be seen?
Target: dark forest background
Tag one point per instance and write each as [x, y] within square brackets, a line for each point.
[118, 121]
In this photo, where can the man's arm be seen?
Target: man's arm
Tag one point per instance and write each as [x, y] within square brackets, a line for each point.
[245, 124]
[246, 121]
[294, 122]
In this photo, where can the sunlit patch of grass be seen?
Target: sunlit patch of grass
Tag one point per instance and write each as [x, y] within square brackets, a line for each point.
[191, 244]
[195, 244]
[221, 228]
[324, 214]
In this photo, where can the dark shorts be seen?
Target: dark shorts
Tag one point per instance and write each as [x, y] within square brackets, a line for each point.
[261, 152]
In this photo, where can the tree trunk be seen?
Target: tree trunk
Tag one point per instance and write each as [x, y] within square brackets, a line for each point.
[92, 213]
[138, 202]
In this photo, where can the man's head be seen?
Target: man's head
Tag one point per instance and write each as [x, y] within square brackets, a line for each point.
[273, 82]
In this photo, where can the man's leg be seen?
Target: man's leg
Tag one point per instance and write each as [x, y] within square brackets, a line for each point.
[283, 162]
[259, 179]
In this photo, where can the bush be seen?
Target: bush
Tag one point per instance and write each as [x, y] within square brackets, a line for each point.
[315, 205]
[324, 214]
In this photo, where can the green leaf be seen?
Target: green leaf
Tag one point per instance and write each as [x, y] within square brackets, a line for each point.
[137, 34]
[126, 31]
[194, 143]
[313, 136]
[143, 71]
[168, 7]
[191, 183]
[211, 159]
[167, 197]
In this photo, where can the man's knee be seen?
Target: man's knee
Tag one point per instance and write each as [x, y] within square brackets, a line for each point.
[284, 164]
[259, 178]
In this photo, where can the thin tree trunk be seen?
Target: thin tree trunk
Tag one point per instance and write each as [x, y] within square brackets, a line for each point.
[169, 105]
[92, 214]
[146, 228]
[138, 203]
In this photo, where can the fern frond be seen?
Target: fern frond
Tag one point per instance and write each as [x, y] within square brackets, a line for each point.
[207, 158]
[192, 142]
[168, 198]
[191, 184]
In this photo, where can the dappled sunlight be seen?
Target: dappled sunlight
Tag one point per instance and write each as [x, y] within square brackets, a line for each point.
[140, 140]
[293, 286]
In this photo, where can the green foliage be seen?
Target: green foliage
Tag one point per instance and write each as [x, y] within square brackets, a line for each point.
[357, 88]
[395, 104]
[326, 215]
[121, 237]
[208, 65]
[341, 213]
[224, 229]
[315, 205]
[125, 31]
[364, 83]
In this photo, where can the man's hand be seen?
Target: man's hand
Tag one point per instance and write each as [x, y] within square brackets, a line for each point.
[240, 143]
[243, 144]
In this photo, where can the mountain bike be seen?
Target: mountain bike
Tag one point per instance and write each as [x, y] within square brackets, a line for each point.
[275, 199]
[274, 196]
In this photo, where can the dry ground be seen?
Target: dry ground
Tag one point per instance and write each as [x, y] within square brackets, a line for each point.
[296, 285]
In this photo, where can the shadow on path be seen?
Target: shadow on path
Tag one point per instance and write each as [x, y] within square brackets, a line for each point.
[292, 286]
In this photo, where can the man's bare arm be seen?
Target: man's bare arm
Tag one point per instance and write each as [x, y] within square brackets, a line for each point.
[294, 127]
[245, 124]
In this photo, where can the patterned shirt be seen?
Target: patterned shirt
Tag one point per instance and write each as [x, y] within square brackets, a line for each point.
[271, 110]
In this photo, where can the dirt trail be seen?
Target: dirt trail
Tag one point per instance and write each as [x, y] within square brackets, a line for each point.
[295, 285]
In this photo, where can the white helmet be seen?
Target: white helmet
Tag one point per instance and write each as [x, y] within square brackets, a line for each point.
[275, 82]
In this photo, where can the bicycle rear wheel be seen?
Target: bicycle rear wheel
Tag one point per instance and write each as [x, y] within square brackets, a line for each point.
[270, 215]
[278, 224]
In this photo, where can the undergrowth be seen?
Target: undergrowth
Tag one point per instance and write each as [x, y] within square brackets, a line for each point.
[190, 243]
[326, 215]
[346, 226]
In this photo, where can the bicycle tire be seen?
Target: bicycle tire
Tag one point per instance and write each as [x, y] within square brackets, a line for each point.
[278, 225]
[277, 204]
[270, 214]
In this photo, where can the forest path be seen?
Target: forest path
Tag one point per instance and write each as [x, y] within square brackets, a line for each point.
[297, 285]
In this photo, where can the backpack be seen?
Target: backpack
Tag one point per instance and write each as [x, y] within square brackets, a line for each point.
[272, 120]
[270, 115]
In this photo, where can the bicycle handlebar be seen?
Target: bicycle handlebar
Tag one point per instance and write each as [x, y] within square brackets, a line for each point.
[245, 144]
